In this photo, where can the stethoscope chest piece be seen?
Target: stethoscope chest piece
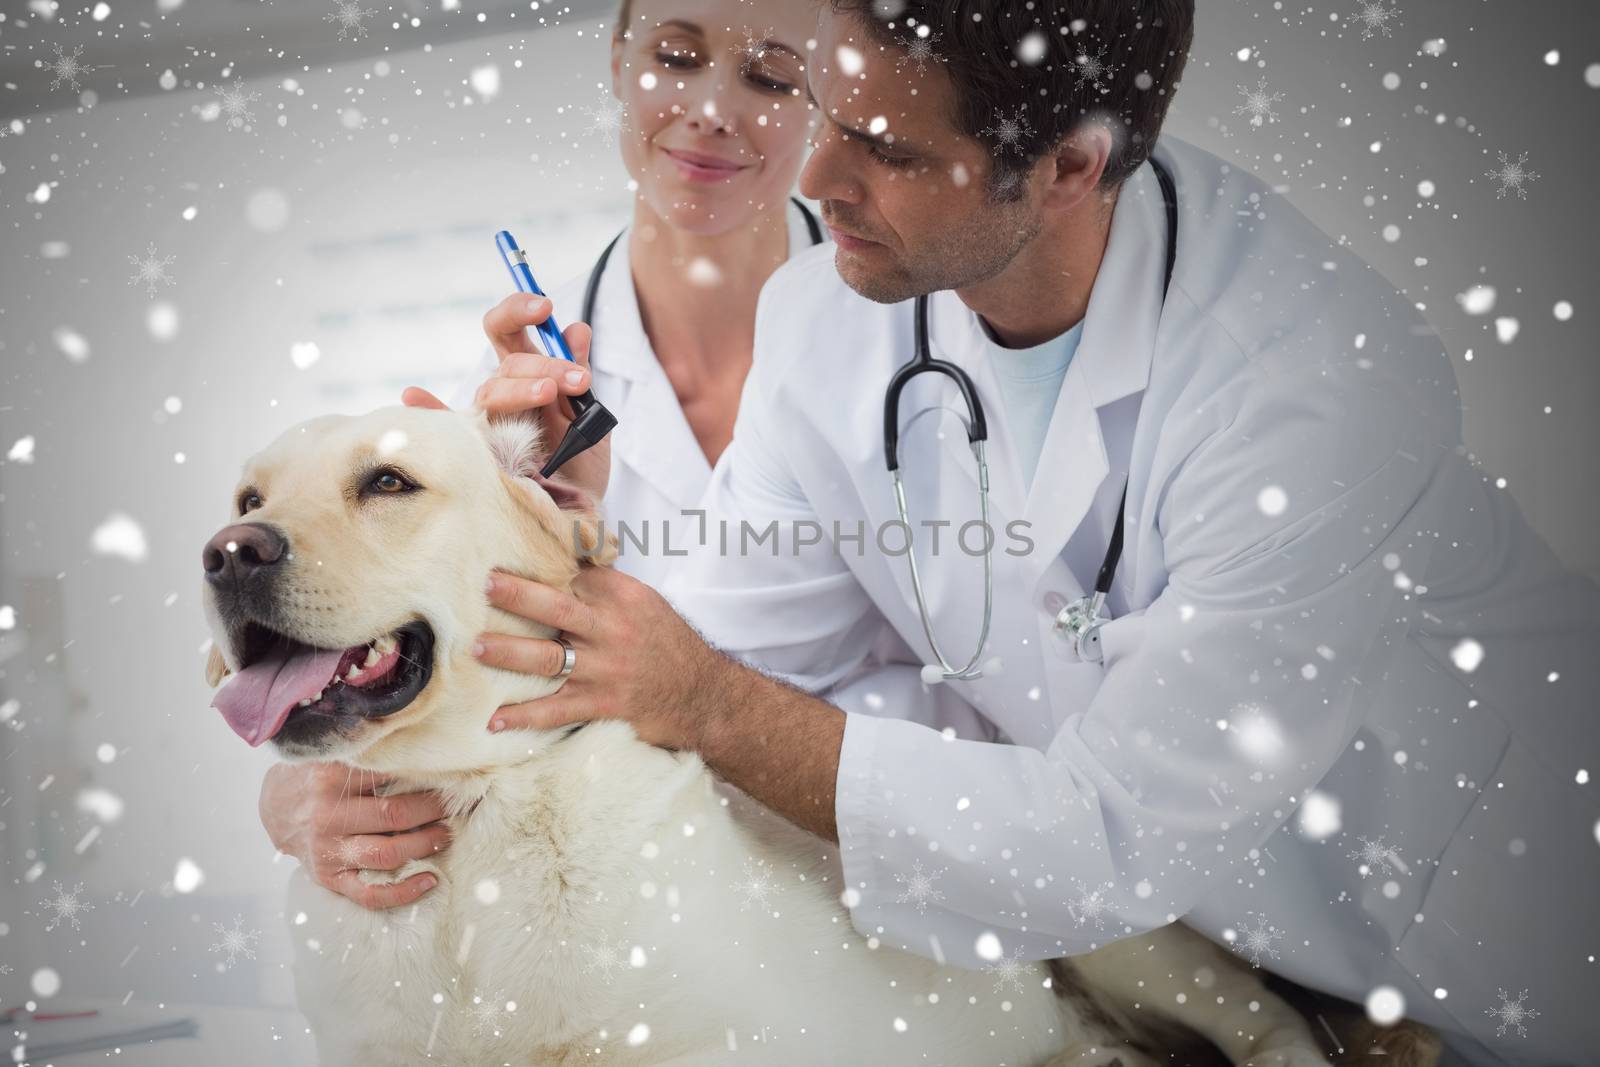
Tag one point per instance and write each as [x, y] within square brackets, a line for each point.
[1078, 625]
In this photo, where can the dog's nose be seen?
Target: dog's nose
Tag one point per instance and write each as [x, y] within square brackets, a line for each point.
[242, 551]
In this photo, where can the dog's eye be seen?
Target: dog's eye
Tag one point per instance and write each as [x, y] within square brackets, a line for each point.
[249, 502]
[388, 481]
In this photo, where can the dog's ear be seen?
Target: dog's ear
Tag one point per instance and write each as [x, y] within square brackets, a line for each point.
[216, 668]
[517, 442]
[519, 449]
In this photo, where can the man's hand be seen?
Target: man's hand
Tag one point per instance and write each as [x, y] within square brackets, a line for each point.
[529, 380]
[636, 658]
[326, 816]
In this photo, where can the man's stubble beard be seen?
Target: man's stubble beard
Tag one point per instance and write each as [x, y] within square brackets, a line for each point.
[973, 253]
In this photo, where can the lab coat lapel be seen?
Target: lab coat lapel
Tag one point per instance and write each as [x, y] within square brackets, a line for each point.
[659, 446]
[1112, 362]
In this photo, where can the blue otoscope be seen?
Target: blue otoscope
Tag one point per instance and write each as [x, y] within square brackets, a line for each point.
[591, 421]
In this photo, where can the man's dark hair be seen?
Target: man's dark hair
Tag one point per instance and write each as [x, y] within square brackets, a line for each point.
[1027, 72]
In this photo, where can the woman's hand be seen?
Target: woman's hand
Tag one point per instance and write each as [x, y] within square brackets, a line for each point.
[529, 380]
[326, 816]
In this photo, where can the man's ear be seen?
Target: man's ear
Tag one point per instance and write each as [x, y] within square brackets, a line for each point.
[216, 668]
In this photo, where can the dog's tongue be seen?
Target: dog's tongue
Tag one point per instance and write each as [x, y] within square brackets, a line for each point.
[260, 697]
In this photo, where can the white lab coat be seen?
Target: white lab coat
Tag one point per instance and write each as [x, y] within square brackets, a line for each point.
[1312, 564]
[659, 472]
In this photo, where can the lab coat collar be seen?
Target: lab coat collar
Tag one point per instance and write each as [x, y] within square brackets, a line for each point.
[1113, 361]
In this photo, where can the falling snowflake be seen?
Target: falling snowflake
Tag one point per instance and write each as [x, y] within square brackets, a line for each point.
[150, 271]
[603, 957]
[1258, 104]
[919, 888]
[66, 906]
[5, 968]
[1093, 70]
[349, 18]
[606, 118]
[488, 1013]
[235, 101]
[1375, 857]
[758, 886]
[349, 854]
[67, 68]
[919, 50]
[1090, 905]
[1374, 17]
[235, 941]
[1258, 941]
[1511, 1013]
[1010, 131]
[1513, 176]
[754, 49]
[1007, 970]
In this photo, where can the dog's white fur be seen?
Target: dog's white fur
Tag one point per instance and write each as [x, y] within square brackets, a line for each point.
[608, 888]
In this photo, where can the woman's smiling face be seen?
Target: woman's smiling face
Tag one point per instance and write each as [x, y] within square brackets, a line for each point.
[716, 118]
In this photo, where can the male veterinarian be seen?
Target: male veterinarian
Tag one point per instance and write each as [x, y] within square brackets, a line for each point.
[1340, 715]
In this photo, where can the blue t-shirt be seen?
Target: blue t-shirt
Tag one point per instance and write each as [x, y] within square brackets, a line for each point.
[1030, 381]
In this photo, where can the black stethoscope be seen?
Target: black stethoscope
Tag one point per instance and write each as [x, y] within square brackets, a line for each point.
[592, 292]
[1078, 623]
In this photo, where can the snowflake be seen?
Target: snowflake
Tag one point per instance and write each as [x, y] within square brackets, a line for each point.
[1010, 131]
[1094, 70]
[1008, 970]
[150, 271]
[606, 119]
[754, 48]
[488, 1013]
[1259, 940]
[920, 51]
[236, 941]
[67, 68]
[1090, 905]
[1513, 176]
[1258, 104]
[604, 957]
[919, 888]
[349, 18]
[235, 102]
[1377, 858]
[1511, 1013]
[65, 905]
[349, 854]
[1374, 17]
[5, 968]
[758, 886]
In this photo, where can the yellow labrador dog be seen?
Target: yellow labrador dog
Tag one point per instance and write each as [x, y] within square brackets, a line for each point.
[603, 900]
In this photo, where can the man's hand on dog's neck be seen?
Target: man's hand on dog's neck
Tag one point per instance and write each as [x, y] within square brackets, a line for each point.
[639, 661]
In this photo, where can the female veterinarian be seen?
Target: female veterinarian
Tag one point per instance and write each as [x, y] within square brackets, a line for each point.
[1332, 704]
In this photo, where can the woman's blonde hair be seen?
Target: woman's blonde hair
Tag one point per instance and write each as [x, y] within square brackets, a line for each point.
[624, 14]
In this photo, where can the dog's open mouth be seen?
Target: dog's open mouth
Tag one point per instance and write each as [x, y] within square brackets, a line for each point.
[282, 678]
